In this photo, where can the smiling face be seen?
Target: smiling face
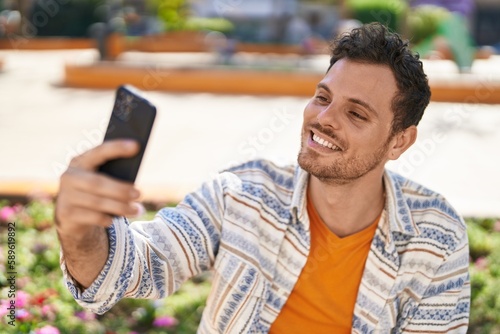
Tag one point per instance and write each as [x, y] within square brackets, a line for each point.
[347, 124]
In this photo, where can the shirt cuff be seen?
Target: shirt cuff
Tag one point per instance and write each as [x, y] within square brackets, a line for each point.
[113, 280]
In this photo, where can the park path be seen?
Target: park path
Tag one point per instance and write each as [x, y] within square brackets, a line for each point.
[42, 125]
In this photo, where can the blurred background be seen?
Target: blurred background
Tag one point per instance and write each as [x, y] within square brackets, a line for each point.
[230, 79]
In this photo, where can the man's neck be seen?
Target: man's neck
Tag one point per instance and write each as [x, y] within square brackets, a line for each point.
[351, 207]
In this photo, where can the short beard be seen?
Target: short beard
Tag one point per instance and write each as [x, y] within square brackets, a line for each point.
[343, 171]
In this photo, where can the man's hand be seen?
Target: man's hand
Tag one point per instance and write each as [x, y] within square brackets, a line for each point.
[86, 202]
[86, 198]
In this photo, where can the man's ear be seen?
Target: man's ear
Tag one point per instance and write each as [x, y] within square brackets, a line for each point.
[402, 141]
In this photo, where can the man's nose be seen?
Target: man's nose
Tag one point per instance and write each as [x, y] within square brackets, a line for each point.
[330, 116]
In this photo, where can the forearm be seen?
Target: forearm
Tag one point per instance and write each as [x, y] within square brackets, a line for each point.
[113, 277]
[85, 255]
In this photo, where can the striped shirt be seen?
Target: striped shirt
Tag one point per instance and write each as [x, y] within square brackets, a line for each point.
[249, 225]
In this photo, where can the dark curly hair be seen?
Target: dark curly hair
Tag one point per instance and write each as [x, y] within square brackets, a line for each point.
[374, 44]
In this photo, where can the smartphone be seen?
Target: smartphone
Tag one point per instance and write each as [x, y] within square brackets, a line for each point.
[132, 118]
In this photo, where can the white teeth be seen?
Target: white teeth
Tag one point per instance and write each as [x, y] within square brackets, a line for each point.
[324, 143]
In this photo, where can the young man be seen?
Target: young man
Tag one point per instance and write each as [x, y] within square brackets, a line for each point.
[336, 244]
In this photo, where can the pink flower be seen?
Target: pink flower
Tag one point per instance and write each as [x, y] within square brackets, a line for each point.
[165, 321]
[496, 227]
[22, 314]
[481, 263]
[46, 309]
[85, 316]
[47, 330]
[48, 312]
[7, 213]
[22, 299]
[4, 304]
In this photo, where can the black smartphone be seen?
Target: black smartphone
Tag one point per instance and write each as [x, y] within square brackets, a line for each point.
[132, 118]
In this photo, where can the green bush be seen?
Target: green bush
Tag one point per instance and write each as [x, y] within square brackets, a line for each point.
[484, 243]
[480, 241]
[173, 13]
[209, 24]
[424, 21]
[387, 12]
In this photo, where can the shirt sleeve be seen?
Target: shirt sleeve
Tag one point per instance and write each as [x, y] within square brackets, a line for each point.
[445, 307]
[151, 259]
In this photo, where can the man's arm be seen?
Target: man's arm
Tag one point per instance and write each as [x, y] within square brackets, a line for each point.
[105, 258]
[85, 205]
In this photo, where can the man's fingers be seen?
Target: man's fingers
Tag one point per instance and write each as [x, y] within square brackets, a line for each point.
[82, 221]
[109, 150]
[102, 204]
[88, 200]
[101, 185]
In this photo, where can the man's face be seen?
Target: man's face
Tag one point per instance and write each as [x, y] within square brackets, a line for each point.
[347, 124]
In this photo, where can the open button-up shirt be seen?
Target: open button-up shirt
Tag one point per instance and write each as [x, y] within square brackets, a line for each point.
[250, 227]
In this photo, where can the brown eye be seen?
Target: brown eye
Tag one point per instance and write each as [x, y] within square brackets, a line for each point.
[321, 98]
[356, 115]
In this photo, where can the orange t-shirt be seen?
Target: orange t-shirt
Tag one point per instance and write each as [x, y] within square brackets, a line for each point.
[323, 298]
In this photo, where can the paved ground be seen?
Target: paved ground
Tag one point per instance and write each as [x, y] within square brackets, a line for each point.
[42, 125]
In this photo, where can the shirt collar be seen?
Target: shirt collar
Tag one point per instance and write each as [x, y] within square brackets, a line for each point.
[299, 200]
[397, 213]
